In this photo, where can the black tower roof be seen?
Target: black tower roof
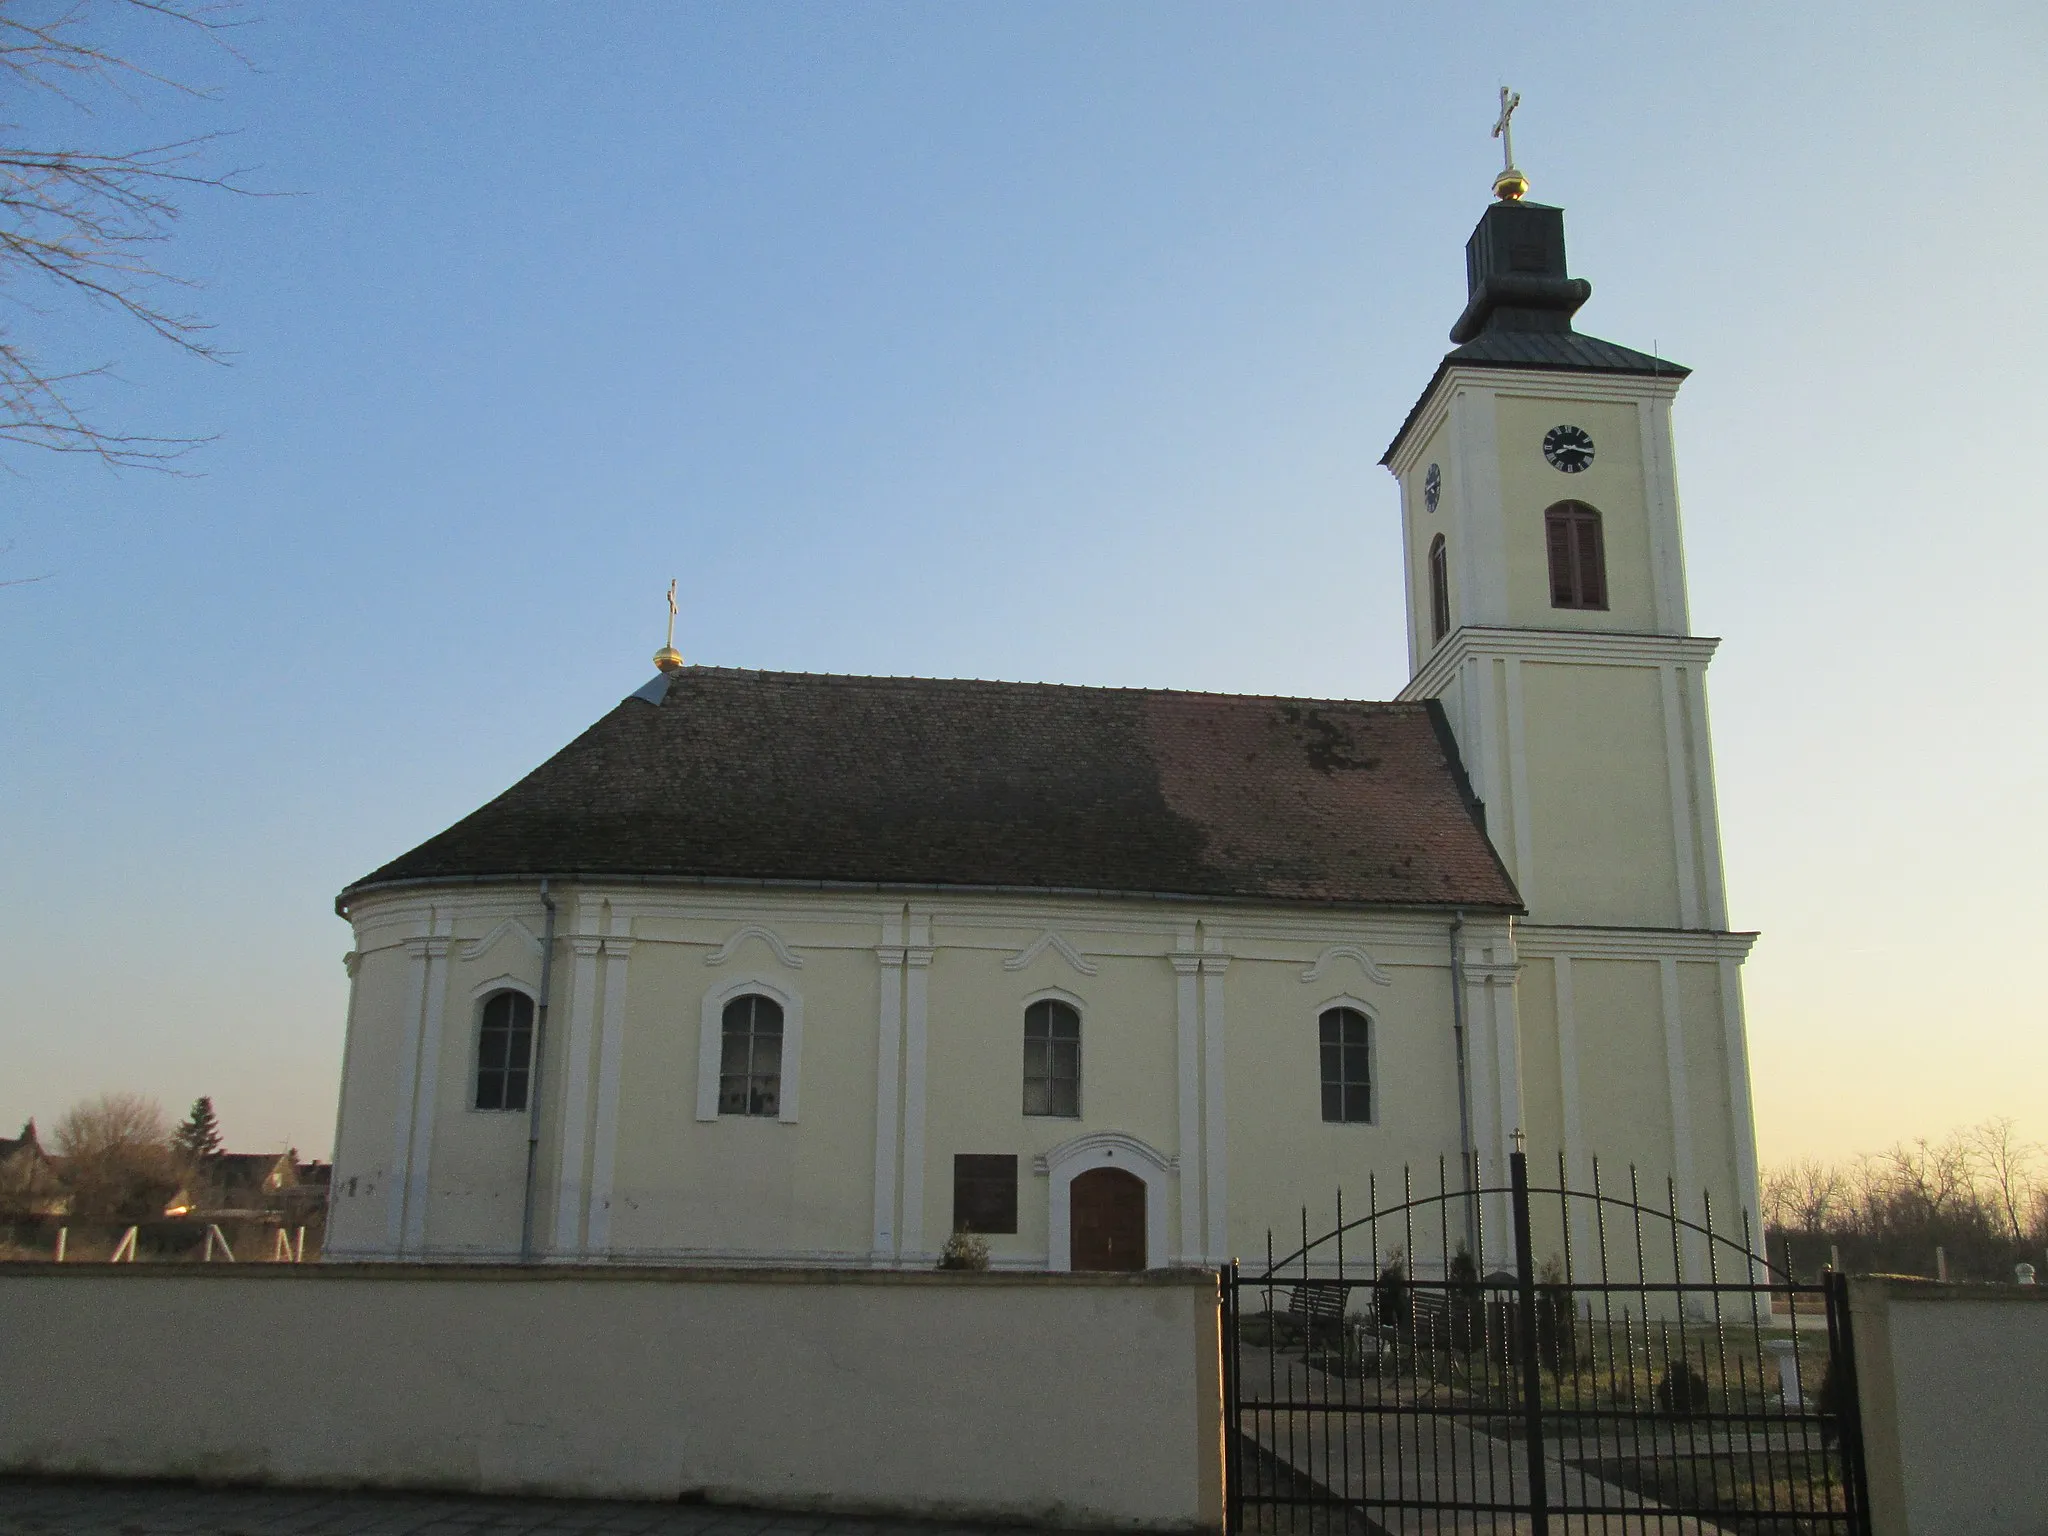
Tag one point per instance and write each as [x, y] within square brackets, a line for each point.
[1519, 306]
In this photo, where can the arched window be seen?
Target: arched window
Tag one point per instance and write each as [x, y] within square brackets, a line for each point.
[750, 1057]
[1439, 590]
[504, 1051]
[1052, 1059]
[1578, 563]
[1346, 1036]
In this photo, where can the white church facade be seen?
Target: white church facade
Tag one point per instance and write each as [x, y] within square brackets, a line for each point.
[784, 968]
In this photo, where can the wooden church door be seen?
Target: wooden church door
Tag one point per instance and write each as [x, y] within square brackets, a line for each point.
[1107, 1206]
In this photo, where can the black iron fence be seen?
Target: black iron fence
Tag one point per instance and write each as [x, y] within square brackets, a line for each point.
[1617, 1367]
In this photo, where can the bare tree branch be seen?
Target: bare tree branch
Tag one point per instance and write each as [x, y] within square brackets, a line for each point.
[83, 225]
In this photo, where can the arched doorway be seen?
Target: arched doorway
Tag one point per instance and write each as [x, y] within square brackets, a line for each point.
[1108, 1207]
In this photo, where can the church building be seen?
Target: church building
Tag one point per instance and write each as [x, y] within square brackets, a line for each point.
[805, 969]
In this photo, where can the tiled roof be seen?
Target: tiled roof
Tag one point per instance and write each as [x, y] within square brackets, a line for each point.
[916, 782]
[1564, 350]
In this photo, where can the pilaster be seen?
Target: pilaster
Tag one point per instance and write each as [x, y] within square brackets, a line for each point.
[1187, 968]
[618, 947]
[888, 1069]
[917, 959]
[572, 1192]
[1215, 1160]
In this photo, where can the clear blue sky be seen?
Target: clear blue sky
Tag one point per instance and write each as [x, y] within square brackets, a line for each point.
[1039, 341]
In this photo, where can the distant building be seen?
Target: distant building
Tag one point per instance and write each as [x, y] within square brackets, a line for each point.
[251, 1186]
[29, 1182]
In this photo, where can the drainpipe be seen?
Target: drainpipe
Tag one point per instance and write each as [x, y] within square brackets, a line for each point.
[540, 1035]
[1464, 1092]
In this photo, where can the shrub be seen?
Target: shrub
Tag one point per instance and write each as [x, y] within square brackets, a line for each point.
[964, 1250]
[1393, 1302]
[1682, 1390]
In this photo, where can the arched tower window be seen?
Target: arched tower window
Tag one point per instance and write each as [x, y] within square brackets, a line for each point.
[1439, 590]
[1578, 562]
[504, 1051]
[1052, 1059]
[750, 1057]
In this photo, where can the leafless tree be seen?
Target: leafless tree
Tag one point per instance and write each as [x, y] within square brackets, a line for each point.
[114, 1153]
[2008, 1166]
[83, 226]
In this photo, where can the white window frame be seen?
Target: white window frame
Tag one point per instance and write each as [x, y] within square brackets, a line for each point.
[711, 1045]
[480, 994]
[1372, 1057]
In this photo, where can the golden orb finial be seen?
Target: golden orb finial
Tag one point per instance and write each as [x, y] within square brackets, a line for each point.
[1510, 186]
[668, 658]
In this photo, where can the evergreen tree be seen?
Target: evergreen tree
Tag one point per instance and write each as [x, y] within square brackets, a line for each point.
[199, 1136]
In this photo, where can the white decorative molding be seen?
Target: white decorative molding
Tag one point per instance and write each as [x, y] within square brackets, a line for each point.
[1053, 1159]
[1103, 1149]
[350, 961]
[711, 1043]
[505, 983]
[1357, 952]
[1592, 647]
[1541, 940]
[1055, 942]
[768, 936]
[477, 948]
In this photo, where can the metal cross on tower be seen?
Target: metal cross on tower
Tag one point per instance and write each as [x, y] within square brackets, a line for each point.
[1510, 184]
[1504, 129]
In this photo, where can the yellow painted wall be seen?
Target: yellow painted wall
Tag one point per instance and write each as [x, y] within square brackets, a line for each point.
[1614, 484]
[1600, 797]
[756, 1188]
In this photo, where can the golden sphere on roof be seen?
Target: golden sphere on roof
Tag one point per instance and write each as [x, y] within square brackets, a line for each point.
[1510, 186]
[669, 659]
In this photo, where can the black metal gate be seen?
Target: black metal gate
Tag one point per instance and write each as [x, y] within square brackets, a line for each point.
[1635, 1371]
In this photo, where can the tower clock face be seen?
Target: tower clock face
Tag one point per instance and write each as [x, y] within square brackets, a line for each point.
[1432, 487]
[1568, 448]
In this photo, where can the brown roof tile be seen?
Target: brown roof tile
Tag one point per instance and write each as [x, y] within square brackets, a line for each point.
[793, 777]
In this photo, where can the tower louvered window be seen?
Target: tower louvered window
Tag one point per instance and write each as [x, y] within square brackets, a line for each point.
[1578, 563]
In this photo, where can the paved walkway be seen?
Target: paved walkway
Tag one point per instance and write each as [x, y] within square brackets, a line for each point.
[35, 1507]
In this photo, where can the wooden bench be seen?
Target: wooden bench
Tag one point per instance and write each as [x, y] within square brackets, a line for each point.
[1319, 1307]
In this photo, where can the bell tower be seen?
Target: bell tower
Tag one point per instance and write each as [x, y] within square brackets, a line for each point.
[1547, 611]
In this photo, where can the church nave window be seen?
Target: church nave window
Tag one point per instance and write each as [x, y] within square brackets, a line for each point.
[1347, 1065]
[504, 1051]
[1439, 590]
[1052, 1059]
[1578, 564]
[750, 1058]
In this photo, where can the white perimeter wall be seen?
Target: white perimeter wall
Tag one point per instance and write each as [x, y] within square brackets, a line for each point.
[1953, 1384]
[1077, 1400]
